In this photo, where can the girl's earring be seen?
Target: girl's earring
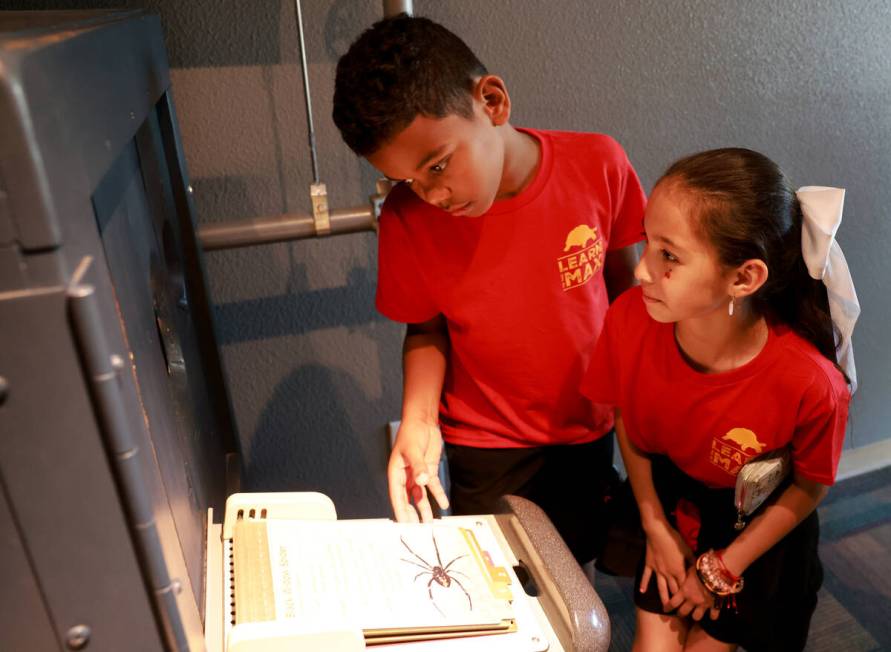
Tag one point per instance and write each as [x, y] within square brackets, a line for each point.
[730, 307]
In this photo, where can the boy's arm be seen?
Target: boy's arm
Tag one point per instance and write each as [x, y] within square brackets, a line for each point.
[414, 461]
[618, 270]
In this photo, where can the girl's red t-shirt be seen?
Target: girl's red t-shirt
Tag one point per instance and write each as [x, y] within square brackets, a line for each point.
[709, 425]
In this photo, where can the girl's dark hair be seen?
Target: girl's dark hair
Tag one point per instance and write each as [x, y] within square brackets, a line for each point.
[747, 209]
[400, 68]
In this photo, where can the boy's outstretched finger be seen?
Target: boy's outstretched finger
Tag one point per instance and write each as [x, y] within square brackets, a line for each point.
[398, 485]
[439, 494]
[398, 494]
[411, 516]
[405, 462]
[422, 503]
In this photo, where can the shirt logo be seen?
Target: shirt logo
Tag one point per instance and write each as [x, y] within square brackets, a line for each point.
[578, 267]
[734, 449]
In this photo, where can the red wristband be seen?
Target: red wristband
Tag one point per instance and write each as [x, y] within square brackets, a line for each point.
[719, 555]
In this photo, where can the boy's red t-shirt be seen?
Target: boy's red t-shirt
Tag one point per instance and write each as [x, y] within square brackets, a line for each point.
[709, 425]
[521, 288]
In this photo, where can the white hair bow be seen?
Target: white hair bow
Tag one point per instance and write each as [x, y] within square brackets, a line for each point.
[822, 210]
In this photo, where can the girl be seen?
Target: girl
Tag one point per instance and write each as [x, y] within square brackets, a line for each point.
[726, 351]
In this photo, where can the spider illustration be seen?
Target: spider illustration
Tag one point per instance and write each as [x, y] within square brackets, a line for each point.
[439, 573]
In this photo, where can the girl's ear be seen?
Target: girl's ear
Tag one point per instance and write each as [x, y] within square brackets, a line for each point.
[748, 278]
[491, 92]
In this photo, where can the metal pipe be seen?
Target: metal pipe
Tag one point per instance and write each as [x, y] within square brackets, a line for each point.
[307, 98]
[282, 228]
[396, 7]
[297, 226]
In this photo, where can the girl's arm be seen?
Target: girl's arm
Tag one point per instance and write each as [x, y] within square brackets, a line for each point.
[776, 521]
[666, 551]
[795, 504]
[820, 427]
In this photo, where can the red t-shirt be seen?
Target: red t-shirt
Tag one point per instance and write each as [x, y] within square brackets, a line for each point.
[709, 425]
[521, 289]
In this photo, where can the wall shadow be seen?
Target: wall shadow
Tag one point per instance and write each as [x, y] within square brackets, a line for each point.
[266, 317]
[327, 452]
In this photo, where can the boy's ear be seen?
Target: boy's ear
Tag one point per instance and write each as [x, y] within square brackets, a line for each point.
[491, 92]
[749, 278]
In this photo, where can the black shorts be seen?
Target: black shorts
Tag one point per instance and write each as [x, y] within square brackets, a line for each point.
[774, 608]
[570, 483]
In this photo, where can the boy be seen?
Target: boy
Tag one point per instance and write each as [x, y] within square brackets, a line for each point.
[497, 247]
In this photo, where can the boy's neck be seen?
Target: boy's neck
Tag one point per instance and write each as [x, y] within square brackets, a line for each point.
[522, 156]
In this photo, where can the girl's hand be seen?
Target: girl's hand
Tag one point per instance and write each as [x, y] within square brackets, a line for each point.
[693, 599]
[667, 558]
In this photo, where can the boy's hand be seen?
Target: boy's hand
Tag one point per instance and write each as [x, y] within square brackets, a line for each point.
[414, 470]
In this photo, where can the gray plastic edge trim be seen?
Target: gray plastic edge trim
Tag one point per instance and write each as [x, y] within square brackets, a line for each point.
[102, 377]
[588, 622]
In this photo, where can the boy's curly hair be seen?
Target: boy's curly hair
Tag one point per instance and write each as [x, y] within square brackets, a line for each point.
[399, 68]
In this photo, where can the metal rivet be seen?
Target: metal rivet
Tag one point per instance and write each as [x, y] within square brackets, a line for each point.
[4, 389]
[190, 190]
[117, 362]
[77, 637]
[177, 587]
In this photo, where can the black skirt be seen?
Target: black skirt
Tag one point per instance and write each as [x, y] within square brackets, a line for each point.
[774, 609]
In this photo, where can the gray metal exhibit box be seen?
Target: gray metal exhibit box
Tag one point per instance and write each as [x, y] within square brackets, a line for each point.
[114, 421]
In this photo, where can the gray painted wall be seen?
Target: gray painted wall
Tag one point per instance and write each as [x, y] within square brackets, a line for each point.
[313, 371]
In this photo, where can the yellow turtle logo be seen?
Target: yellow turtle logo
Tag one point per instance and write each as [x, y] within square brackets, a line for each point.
[580, 236]
[745, 439]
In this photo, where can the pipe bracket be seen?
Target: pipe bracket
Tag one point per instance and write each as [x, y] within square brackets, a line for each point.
[322, 221]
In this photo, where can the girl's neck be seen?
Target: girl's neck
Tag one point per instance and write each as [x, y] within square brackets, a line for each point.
[718, 342]
[522, 156]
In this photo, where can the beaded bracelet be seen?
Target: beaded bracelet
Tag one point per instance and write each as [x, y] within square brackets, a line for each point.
[717, 579]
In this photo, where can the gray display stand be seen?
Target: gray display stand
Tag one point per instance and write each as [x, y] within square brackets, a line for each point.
[116, 435]
[114, 423]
